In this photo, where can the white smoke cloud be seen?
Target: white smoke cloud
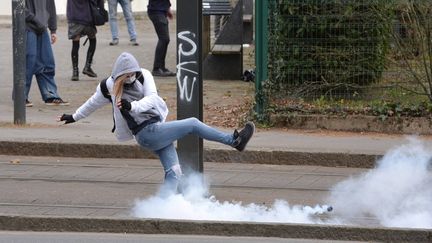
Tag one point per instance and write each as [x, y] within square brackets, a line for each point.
[398, 192]
[194, 204]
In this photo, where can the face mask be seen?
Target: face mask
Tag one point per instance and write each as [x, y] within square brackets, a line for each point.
[130, 80]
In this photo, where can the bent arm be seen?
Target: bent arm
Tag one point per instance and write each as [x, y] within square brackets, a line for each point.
[145, 104]
[96, 101]
[150, 94]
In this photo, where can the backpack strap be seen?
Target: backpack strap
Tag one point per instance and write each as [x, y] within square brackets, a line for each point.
[106, 94]
[104, 89]
[140, 77]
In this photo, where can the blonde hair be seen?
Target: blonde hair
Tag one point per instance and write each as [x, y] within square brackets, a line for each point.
[118, 86]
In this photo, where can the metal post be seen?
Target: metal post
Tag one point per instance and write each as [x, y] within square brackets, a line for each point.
[19, 60]
[261, 53]
[189, 79]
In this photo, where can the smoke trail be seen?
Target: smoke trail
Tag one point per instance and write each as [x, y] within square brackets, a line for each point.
[193, 204]
[398, 192]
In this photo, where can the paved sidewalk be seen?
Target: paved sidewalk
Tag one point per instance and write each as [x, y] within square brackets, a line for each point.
[92, 138]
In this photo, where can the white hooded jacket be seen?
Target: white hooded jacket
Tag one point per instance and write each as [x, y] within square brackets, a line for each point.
[126, 63]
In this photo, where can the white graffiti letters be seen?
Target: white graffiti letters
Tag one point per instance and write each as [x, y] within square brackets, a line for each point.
[184, 74]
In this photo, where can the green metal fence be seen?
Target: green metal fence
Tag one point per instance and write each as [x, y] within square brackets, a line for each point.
[368, 50]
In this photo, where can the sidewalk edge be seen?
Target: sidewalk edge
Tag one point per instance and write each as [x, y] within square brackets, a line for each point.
[210, 155]
[189, 227]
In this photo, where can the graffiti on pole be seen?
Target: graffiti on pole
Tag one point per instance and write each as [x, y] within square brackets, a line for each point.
[186, 76]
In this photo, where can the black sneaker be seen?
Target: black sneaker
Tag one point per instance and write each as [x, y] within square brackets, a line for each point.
[157, 72]
[89, 71]
[242, 138]
[56, 101]
[168, 73]
[162, 73]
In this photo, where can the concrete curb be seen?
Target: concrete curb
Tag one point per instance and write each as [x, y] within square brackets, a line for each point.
[156, 226]
[210, 155]
[356, 123]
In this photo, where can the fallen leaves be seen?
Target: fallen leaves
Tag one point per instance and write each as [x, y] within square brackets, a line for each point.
[15, 161]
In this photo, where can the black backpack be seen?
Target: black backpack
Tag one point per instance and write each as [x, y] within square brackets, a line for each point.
[98, 12]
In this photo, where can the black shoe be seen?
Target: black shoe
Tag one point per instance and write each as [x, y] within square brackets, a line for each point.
[162, 72]
[242, 138]
[157, 72]
[89, 71]
[168, 72]
[56, 101]
[75, 74]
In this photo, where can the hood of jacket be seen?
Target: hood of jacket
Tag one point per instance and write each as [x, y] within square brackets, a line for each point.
[125, 63]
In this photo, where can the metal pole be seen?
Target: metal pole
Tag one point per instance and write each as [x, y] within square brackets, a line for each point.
[261, 53]
[19, 60]
[189, 80]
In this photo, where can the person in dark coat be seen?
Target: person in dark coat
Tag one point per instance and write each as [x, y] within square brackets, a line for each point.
[159, 11]
[80, 23]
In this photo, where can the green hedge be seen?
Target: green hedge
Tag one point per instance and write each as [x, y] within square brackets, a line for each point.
[324, 47]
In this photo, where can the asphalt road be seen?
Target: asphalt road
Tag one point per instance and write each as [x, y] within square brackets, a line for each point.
[108, 187]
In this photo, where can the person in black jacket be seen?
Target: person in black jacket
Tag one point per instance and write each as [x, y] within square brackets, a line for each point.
[80, 23]
[159, 11]
[40, 15]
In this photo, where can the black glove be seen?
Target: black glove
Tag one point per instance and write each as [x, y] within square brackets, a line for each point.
[125, 105]
[67, 118]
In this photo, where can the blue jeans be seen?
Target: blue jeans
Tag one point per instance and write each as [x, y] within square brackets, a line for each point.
[40, 62]
[160, 137]
[127, 12]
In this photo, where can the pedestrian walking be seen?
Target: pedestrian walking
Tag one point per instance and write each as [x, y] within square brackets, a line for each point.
[130, 22]
[140, 113]
[159, 12]
[80, 23]
[40, 15]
